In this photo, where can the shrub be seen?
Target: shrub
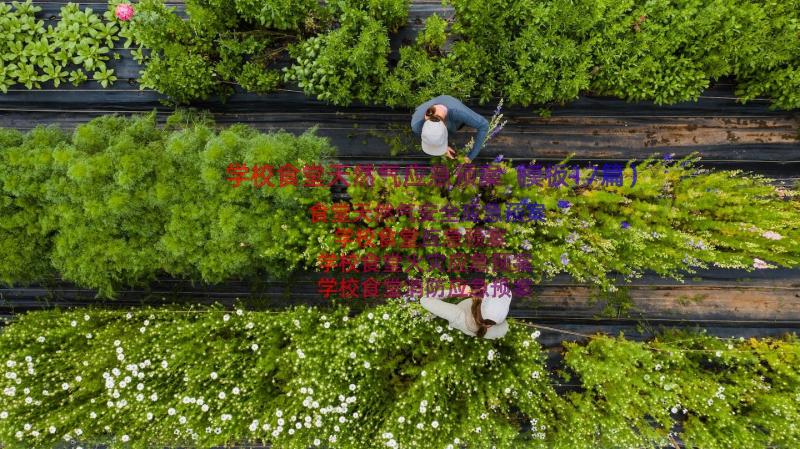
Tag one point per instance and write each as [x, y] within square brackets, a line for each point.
[345, 65]
[389, 376]
[128, 200]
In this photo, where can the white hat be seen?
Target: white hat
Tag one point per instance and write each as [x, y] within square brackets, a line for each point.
[495, 302]
[434, 138]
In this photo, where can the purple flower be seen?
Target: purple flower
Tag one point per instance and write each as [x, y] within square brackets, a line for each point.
[498, 108]
[668, 157]
[564, 259]
[498, 158]
[496, 131]
[564, 204]
[625, 225]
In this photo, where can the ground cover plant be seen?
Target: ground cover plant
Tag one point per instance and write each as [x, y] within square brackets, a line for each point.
[74, 49]
[391, 377]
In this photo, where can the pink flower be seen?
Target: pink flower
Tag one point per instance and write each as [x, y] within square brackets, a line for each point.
[124, 11]
[760, 264]
[771, 235]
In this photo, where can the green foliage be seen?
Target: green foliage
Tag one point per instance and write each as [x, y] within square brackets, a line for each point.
[218, 45]
[32, 54]
[392, 13]
[277, 14]
[420, 76]
[124, 200]
[769, 52]
[681, 219]
[391, 376]
[25, 161]
[434, 36]
[345, 65]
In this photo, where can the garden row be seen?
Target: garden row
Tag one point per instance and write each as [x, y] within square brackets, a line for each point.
[548, 51]
[121, 201]
[389, 377]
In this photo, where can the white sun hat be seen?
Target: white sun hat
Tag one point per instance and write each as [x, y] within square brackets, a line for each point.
[496, 302]
[434, 138]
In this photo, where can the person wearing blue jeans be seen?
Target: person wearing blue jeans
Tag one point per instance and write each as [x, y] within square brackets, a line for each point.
[439, 117]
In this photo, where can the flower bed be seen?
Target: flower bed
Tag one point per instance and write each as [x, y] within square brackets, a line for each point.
[122, 200]
[389, 377]
[548, 51]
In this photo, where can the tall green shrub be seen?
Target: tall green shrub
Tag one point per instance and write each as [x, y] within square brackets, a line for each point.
[124, 200]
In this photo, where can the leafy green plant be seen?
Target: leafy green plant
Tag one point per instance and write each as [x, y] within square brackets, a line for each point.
[31, 54]
[344, 65]
[390, 376]
[123, 202]
[434, 36]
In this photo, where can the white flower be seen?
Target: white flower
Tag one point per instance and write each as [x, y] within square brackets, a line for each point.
[254, 347]
[40, 339]
[3, 414]
[279, 413]
[352, 355]
[171, 411]
[490, 356]
[116, 343]
[221, 395]
[149, 416]
[65, 386]
[535, 334]
[317, 442]
[214, 375]
[352, 387]
[420, 425]
[301, 354]
[401, 419]
[674, 410]
[771, 235]
[204, 407]
[226, 317]
[154, 397]
[658, 366]
[236, 390]
[125, 438]
[535, 374]
[370, 315]
[366, 365]
[435, 424]
[760, 264]
[182, 420]
[73, 323]
[718, 353]
[385, 316]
